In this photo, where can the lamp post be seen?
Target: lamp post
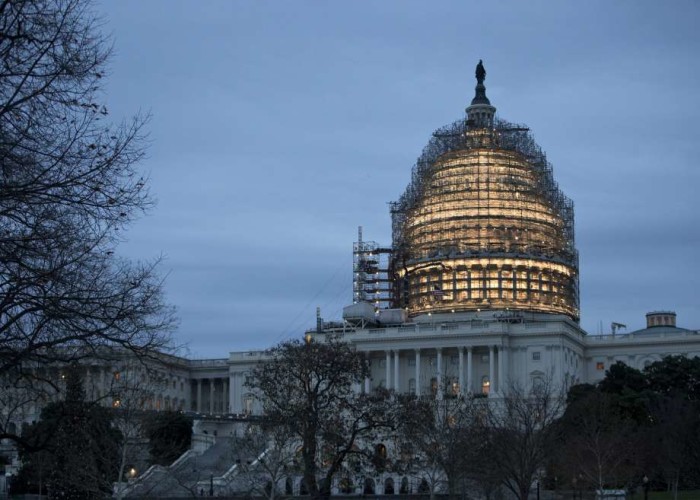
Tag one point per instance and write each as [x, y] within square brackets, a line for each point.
[645, 487]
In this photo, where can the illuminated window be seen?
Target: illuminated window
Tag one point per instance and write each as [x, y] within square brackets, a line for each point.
[600, 365]
[117, 375]
[485, 385]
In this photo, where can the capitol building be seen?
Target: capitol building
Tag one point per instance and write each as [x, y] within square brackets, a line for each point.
[478, 290]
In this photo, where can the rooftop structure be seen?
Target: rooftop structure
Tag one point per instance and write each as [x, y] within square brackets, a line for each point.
[483, 225]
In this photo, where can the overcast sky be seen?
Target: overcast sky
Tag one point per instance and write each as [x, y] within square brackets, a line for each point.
[279, 127]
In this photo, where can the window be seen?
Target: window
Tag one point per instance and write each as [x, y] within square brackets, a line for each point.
[412, 386]
[248, 404]
[600, 365]
[485, 385]
[484, 358]
[117, 375]
[454, 360]
[536, 356]
[537, 384]
[411, 361]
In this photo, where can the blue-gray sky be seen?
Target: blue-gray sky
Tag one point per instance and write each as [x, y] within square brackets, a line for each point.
[279, 127]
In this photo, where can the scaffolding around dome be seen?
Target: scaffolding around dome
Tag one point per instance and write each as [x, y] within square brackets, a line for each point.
[484, 225]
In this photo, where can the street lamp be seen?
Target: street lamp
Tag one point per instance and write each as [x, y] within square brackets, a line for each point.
[645, 486]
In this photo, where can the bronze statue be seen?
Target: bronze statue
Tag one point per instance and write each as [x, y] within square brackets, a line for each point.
[480, 72]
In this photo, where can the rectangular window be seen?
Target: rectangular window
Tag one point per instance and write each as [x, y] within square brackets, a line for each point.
[600, 365]
[411, 361]
[536, 356]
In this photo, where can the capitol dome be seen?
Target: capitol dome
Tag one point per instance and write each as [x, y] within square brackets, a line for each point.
[483, 225]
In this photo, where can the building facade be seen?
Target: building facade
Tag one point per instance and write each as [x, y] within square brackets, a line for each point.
[478, 291]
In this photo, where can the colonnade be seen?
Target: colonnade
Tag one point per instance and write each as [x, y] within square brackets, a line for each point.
[498, 372]
[218, 400]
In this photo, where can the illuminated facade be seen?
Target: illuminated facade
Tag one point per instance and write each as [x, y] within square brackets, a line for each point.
[482, 224]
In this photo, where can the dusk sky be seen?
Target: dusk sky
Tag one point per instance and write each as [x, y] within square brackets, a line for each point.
[279, 127]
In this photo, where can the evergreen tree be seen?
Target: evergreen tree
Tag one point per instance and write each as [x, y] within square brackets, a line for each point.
[79, 448]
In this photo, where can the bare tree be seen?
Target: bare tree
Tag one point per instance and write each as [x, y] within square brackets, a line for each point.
[131, 396]
[310, 387]
[268, 456]
[519, 432]
[438, 439]
[68, 188]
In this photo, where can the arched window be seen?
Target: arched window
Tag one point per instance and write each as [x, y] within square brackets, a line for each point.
[369, 486]
[404, 490]
[388, 486]
[423, 487]
[380, 457]
[346, 485]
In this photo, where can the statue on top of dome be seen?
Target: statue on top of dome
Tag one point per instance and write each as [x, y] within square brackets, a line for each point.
[480, 72]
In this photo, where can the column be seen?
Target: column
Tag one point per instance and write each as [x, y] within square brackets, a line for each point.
[470, 369]
[87, 383]
[506, 373]
[491, 371]
[461, 369]
[199, 395]
[501, 375]
[440, 389]
[388, 370]
[417, 372]
[226, 406]
[211, 395]
[232, 393]
[396, 371]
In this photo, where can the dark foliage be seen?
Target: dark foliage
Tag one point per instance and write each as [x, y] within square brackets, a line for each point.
[79, 448]
[169, 434]
[634, 424]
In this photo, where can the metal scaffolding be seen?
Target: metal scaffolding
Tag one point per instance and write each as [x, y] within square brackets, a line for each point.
[483, 224]
[371, 280]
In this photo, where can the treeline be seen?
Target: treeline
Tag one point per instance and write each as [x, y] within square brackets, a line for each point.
[79, 448]
[634, 428]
